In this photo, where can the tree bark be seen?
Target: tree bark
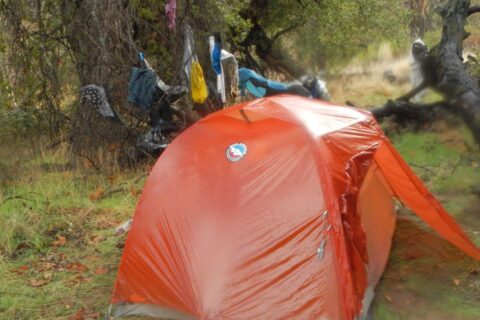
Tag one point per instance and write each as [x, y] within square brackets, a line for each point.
[447, 73]
[100, 36]
[454, 82]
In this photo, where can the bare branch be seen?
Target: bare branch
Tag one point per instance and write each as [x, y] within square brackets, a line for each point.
[413, 92]
[284, 31]
[406, 112]
[473, 9]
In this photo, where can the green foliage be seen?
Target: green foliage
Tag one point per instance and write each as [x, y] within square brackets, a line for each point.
[338, 30]
[237, 27]
[36, 71]
[321, 33]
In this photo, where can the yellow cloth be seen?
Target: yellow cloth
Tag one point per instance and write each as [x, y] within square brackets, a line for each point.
[197, 82]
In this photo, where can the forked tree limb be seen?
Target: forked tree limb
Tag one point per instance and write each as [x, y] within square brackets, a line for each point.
[447, 74]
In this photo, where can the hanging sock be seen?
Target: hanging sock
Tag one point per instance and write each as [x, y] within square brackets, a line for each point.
[171, 12]
[97, 97]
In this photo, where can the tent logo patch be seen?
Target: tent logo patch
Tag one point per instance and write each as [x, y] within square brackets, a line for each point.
[236, 151]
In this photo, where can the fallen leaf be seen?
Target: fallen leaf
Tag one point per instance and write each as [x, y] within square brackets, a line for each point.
[85, 279]
[61, 241]
[112, 179]
[44, 266]
[135, 192]
[84, 314]
[76, 267]
[78, 315]
[39, 282]
[96, 194]
[92, 258]
[104, 223]
[78, 278]
[98, 238]
[20, 270]
[101, 270]
[87, 164]
[456, 282]
[388, 298]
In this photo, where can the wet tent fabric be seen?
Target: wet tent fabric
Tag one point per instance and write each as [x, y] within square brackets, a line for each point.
[289, 231]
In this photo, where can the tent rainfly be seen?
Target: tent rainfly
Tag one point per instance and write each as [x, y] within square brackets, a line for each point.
[278, 208]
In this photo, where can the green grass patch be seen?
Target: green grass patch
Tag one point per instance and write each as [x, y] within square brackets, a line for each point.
[58, 251]
[442, 162]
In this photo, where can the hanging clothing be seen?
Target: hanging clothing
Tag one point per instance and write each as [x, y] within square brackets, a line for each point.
[256, 84]
[198, 86]
[230, 71]
[188, 55]
[171, 12]
[142, 87]
[97, 97]
[215, 55]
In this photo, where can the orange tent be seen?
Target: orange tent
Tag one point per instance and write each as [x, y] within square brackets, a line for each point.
[279, 208]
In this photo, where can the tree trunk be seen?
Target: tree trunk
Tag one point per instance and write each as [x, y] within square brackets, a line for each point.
[447, 73]
[100, 36]
[274, 57]
[454, 82]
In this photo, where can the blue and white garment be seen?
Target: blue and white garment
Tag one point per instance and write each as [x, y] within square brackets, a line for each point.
[256, 84]
[216, 57]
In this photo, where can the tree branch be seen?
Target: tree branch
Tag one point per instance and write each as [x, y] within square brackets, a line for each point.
[284, 31]
[473, 9]
[413, 92]
[409, 113]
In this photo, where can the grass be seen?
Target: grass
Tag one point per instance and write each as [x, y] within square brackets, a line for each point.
[427, 278]
[431, 281]
[58, 251]
[442, 155]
